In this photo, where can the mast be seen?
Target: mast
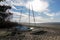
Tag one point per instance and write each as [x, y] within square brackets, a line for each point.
[33, 15]
[20, 15]
[29, 15]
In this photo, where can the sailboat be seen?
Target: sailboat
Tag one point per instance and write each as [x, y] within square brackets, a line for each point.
[4, 15]
[31, 26]
[54, 25]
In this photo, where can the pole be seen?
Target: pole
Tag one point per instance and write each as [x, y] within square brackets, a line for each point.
[33, 15]
[29, 16]
[20, 16]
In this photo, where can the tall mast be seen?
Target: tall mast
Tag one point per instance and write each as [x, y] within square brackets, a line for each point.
[29, 15]
[33, 15]
[20, 15]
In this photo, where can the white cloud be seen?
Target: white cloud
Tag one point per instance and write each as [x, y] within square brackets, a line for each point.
[49, 14]
[25, 18]
[58, 13]
[37, 5]
[52, 15]
[14, 2]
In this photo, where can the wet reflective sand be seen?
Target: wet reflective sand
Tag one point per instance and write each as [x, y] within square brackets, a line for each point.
[51, 34]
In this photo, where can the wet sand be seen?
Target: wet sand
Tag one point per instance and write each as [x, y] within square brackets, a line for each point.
[51, 34]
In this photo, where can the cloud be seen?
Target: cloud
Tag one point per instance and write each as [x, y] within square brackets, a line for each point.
[52, 15]
[49, 14]
[17, 2]
[25, 18]
[38, 5]
[58, 13]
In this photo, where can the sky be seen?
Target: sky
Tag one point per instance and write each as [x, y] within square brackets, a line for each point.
[44, 10]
